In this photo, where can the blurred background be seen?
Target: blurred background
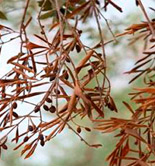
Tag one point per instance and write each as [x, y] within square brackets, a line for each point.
[67, 149]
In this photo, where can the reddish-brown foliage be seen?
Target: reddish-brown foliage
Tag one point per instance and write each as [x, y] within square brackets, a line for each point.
[58, 71]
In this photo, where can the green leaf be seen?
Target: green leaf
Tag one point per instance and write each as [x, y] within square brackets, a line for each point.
[2, 16]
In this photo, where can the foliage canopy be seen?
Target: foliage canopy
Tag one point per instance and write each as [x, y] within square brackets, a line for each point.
[48, 68]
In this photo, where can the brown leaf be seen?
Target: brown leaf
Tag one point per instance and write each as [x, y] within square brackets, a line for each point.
[129, 107]
[15, 57]
[115, 6]
[26, 147]
[22, 67]
[74, 12]
[146, 90]
[3, 140]
[31, 46]
[135, 134]
[84, 60]
[96, 145]
[31, 151]
[113, 104]
[11, 115]
[18, 145]
[125, 149]
[23, 74]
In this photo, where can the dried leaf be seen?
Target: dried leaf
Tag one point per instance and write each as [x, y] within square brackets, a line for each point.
[31, 151]
[31, 46]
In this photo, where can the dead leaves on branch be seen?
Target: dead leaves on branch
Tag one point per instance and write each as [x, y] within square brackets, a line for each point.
[74, 88]
[66, 82]
[110, 2]
[137, 27]
[140, 126]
